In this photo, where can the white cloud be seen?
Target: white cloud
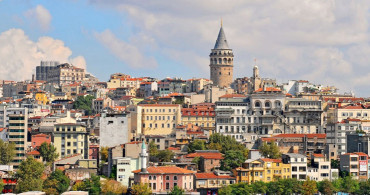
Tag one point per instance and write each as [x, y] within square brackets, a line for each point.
[40, 16]
[125, 51]
[324, 41]
[20, 55]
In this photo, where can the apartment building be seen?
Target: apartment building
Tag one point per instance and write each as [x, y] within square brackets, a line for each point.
[355, 164]
[358, 142]
[352, 111]
[202, 115]
[162, 179]
[298, 163]
[115, 129]
[303, 116]
[17, 131]
[263, 169]
[320, 168]
[65, 74]
[336, 136]
[71, 139]
[209, 183]
[158, 119]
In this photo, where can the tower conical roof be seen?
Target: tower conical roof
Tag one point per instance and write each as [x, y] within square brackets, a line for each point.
[221, 42]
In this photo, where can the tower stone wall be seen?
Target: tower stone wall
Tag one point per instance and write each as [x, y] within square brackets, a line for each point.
[221, 62]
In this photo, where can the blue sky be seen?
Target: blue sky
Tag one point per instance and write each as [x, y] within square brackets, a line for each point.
[326, 42]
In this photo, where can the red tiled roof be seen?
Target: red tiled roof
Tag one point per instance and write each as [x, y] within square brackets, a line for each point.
[318, 155]
[318, 135]
[34, 152]
[173, 148]
[2, 129]
[271, 160]
[40, 135]
[267, 89]
[135, 142]
[232, 95]
[206, 155]
[212, 176]
[166, 170]
[268, 139]
[159, 105]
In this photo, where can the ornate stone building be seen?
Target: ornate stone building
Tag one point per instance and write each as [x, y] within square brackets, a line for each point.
[221, 62]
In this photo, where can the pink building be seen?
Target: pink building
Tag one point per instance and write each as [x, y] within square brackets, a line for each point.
[163, 179]
[93, 152]
[38, 139]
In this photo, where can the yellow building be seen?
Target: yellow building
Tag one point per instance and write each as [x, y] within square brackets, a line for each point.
[202, 115]
[70, 139]
[263, 169]
[41, 98]
[158, 119]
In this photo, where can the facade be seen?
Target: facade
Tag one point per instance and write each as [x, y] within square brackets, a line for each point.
[18, 125]
[202, 115]
[298, 163]
[65, 74]
[336, 136]
[320, 168]
[356, 164]
[348, 112]
[43, 71]
[114, 129]
[221, 62]
[158, 119]
[125, 166]
[303, 116]
[163, 178]
[38, 139]
[263, 169]
[209, 183]
[71, 139]
[209, 160]
[358, 142]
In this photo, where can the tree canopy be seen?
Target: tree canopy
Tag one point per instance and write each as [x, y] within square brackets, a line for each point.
[104, 154]
[84, 103]
[224, 143]
[7, 152]
[176, 191]
[56, 181]
[112, 187]
[232, 160]
[29, 175]
[196, 145]
[165, 155]
[48, 152]
[270, 150]
[141, 189]
[92, 185]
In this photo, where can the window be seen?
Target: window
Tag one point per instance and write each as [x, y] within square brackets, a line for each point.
[294, 168]
[175, 177]
[167, 186]
[167, 177]
[150, 177]
[174, 184]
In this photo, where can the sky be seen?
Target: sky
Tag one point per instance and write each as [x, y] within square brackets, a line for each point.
[325, 42]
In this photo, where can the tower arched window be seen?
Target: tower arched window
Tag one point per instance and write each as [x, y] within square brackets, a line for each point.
[229, 60]
[220, 60]
[225, 60]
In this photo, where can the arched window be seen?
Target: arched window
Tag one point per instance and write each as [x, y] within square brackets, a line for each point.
[225, 60]
[220, 60]
[229, 60]
[257, 104]
[154, 177]
[267, 104]
[277, 104]
[150, 177]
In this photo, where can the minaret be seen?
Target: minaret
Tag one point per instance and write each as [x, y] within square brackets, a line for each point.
[221, 61]
[143, 157]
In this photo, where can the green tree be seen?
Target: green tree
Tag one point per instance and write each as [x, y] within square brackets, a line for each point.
[334, 164]
[104, 154]
[29, 175]
[92, 185]
[176, 191]
[196, 145]
[58, 181]
[233, 159]
[113, 187]
[141, 189]
[275, 187]
[1, 185]
[270, 150]
[153, 150]
[364, 187]
[259, 187]
[291, 186]
[165, 155]
[225, 190]
[350, 185]
[241, 188]
[49, 186]
[224, 143]
[337, 184]
[7, 152]
[48, 152]
[309, 187]
[326, 187]
[84, 103]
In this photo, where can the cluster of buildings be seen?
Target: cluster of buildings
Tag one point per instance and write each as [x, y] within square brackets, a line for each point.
[311, 124]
